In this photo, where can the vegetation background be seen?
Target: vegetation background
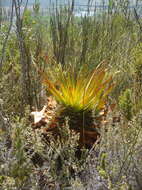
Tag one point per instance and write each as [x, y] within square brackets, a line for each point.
[55, 39]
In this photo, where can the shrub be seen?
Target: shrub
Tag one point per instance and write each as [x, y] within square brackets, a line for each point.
[125, 103]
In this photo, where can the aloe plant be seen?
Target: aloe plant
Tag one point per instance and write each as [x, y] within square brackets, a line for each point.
[80, 96]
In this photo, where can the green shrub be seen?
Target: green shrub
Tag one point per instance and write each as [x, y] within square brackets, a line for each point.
[125, 104]
[137, 76]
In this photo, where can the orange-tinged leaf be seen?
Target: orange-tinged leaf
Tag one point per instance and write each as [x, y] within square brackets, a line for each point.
[82, 93]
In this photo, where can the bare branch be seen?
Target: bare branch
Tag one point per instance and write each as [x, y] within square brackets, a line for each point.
[25, 59]
[6, 38]
[137, 19]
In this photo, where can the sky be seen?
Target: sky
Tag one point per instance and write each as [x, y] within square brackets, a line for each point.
[45, 3]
